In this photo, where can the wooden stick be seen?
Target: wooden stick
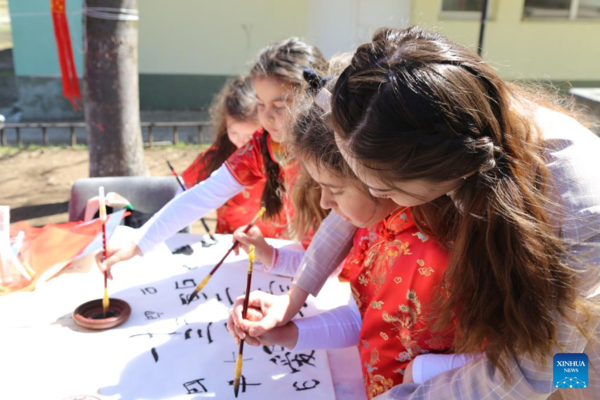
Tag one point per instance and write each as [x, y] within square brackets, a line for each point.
[239, 361]
[235, 244]
[102, 206]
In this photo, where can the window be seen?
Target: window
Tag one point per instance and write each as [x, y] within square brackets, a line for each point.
[562, 9]
[464, 9]
[462, 5]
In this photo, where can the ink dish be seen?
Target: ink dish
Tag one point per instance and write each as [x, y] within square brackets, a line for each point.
[91, 316]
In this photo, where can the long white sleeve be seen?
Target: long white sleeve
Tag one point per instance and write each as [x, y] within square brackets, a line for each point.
[188, 207]
[332, 329]
[286, 262]
[426, 366]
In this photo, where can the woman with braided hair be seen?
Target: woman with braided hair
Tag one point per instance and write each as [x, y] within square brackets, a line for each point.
[504, 179]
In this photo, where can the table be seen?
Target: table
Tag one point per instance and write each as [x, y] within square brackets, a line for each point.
[46, 356]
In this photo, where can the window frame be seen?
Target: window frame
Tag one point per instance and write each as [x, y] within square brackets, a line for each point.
[467, 15]
[572, 17]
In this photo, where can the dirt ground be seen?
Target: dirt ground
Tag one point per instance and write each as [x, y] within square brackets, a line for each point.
[36, 184]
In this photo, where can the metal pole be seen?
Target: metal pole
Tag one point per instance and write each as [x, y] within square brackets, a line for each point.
[175, 135]
[484, 13]
[19, 141]
[73, 137]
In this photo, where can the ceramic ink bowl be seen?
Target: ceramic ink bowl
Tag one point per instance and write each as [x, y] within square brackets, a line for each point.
[90, 315]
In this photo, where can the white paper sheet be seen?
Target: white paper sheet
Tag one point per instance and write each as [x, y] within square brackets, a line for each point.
[164, 350]
[172, 349]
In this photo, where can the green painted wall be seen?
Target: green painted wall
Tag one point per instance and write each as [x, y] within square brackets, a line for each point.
[34, 49]
[540, 50]
[178, 92]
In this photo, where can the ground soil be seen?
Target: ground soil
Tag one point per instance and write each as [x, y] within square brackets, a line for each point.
[36, 184]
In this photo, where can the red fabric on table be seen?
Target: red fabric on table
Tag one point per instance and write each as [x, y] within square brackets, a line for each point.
[52, 244]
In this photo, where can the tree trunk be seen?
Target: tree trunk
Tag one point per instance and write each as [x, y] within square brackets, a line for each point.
[112, 110]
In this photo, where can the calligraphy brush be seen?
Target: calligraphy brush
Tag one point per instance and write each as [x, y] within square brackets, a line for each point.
[102, 205]
[235, 244]
[184, 188]
[238, 362]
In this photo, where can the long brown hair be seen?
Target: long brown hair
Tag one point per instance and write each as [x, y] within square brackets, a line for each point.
[414, 105]
[286, 61]
[312, 140]
[237, 100]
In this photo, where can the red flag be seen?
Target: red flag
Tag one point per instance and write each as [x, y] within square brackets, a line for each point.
[65, 53]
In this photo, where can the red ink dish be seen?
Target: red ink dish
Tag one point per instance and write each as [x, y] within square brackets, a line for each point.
[91, 316]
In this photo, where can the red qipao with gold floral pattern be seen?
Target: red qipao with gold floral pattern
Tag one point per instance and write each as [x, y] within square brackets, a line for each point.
[395, 272]
[237, 211]
[247, 165]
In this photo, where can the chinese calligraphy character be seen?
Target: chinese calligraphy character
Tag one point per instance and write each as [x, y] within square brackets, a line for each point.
[185, 284]
[305, 387]
[295, 363]
[153, 314]
[195, 386]
[149, 290]
[243, 384]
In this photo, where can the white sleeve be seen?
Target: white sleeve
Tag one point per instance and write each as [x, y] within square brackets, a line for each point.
[285, 262]
[332, 329]
[188, 207]
[426, 366]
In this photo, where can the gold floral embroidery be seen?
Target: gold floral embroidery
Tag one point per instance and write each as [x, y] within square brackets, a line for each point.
[421, 263]
[426, 271]
[377, 384]
[405, 247]
[392, 253]
[377, 305]
[381, 258]
[405, 320]
[398, 279]
[362, 279]
[384, 335]
[359, 298]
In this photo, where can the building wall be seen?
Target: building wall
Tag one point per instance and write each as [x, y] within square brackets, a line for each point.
[530, 50]
[35, 58]
[188, 48]
[187, 51]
